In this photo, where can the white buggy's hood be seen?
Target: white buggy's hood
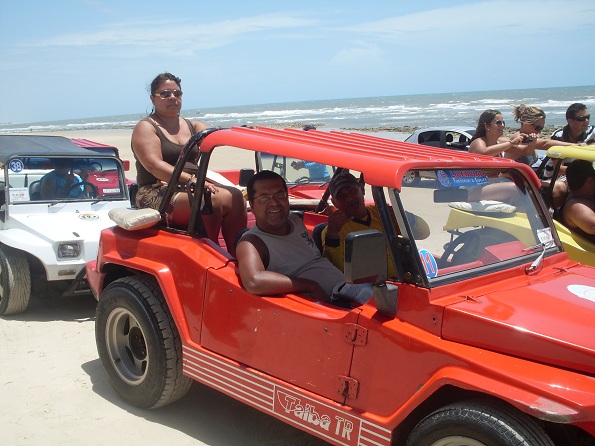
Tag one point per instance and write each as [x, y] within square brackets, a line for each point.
[62, 222]
[66, 225]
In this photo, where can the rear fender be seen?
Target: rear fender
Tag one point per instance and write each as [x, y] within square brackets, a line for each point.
[183, 286]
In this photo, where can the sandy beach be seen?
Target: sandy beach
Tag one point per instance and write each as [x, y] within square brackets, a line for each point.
[54, 390]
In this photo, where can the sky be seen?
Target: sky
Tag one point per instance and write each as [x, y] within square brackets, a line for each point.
[71, 59]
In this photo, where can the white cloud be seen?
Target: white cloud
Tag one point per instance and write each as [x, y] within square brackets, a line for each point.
[163, 36]
[483, 20]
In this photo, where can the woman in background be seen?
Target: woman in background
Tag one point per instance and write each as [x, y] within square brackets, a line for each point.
[489, 136]
[157, 141]
[532, 120]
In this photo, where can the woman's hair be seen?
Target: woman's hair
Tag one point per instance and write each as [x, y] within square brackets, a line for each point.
[529, 114]
[161, 78]
[485, 118]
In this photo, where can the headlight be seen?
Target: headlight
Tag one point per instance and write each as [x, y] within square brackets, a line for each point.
[69, 250]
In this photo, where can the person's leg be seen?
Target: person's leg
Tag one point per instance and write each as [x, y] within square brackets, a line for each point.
[229, 216]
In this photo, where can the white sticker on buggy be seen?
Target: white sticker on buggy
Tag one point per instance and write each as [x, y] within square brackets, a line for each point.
[18, 194]
[545, 236]
[583, 291]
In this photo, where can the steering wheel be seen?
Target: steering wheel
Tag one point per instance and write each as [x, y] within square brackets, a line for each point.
[302, 180]
[469, 247]
[89, 190]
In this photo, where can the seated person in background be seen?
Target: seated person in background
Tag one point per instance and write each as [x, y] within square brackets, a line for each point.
[578, 212]
[577, 131]
[352, 214]
[278, 255]
[59, 182]
[316, 171]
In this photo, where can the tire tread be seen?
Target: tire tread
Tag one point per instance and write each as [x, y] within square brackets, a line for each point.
[18, 282]
[514, 427]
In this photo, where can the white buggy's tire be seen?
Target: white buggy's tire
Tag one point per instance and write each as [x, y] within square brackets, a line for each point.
[15, 281]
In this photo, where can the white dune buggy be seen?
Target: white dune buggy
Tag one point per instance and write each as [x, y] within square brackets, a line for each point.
[46, 241]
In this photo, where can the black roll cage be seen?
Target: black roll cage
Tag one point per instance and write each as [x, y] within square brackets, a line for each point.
[195, 191]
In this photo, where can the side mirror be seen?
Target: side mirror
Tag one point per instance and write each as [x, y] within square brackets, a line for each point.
[365, 261]
[365, 256]
[245, 175]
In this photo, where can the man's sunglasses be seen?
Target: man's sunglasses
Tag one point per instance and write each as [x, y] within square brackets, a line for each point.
[582, 118]
[167, 93]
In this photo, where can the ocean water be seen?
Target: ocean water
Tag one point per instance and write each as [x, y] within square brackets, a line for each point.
[391, 113]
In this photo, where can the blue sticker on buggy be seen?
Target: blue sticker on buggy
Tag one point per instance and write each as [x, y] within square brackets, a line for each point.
[16, 165]
[453, 178]
[429, 263]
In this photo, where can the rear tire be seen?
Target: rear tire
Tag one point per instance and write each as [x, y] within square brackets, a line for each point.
[470, 423]
[15, 281]
[139, 344]
[411, 178]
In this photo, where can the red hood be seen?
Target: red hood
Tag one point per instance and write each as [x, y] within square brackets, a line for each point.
[550, 320]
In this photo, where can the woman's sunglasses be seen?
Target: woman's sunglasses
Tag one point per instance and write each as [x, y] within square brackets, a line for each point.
[167, 93]
[499, 122]
[538, 128]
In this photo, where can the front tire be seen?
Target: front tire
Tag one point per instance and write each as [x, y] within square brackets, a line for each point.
[15, 281]
[477, 424]
[139, 344]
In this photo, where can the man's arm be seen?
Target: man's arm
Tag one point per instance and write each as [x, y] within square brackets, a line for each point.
[257, 280]
[332, 242]
[582, 215]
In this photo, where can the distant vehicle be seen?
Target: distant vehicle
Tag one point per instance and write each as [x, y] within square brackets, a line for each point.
[482, 335]
[45, 242]
[447, 137]
[456, 138]
[105, 148]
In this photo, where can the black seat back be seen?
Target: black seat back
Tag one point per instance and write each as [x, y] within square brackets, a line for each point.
[317, 235]
[35, 190]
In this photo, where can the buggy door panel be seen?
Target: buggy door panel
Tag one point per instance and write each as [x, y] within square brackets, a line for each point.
[294, 339]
